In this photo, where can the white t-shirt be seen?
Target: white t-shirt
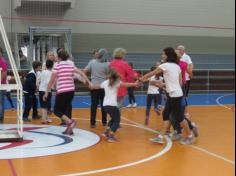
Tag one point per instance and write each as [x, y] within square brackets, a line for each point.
[153, 90]
[44, 79]
[172, 73]
[110, 93]
[186, 58]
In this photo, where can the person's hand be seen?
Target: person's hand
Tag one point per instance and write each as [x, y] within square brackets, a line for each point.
[91, 86]
[137, 84]
[45, 97]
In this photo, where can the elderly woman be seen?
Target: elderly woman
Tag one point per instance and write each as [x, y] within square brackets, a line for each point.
[124, 70]
[99, 70]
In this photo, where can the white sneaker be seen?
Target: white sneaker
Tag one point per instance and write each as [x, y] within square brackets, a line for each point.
[159, 139]
[49, 120]
[129, 106]
[134, 105]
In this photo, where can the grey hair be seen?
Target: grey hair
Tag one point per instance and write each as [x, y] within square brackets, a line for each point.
[181, 47]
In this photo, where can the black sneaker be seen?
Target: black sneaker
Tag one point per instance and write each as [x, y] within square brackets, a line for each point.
[104, 124]
[37, 117]
[112, 139]
[26, 120]
[92, 126]
[106, 133]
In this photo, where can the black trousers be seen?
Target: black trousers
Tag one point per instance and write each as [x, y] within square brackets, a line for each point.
[114, 113]
[187, 88]
[174, 109]
[97, 97]
[175, 112]
[31, 101]
[63, 104]
[132, 99]
[152, 98]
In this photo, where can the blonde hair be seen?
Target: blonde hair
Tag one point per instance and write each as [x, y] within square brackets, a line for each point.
[119, 53]
[181, 47]
[49, 53]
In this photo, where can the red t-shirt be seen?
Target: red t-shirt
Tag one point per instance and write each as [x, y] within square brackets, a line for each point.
[3, 66]
[184, 68]
[126, 73]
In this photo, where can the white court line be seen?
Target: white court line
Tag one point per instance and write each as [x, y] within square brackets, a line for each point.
[164, 151]
[195, 147]
[86, 103]
[213, 154]
[220, 104]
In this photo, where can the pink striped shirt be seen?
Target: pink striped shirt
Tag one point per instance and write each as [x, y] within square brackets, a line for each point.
[65, 77]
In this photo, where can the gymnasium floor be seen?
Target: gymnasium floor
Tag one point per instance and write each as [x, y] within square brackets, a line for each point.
[45, 152]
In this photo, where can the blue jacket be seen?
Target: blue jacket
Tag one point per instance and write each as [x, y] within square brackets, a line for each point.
[30, 83]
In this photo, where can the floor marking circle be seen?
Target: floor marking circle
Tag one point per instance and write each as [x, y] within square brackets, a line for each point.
[34, 144]
[157, 155]
[222, 105]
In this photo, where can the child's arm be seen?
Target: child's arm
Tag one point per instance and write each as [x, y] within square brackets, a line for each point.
[136, 84]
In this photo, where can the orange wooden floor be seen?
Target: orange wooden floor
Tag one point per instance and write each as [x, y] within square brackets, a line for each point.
[212, 155]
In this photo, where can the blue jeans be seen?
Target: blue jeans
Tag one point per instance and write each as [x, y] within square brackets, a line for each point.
[2, 108]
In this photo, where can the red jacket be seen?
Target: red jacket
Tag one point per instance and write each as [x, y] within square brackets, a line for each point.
[126, 73]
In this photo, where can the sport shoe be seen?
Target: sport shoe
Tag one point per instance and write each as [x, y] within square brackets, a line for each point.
[176, 137]
[106, 134]
[158, 112]
[26, 120]
[187, 141]
[68, 132]
[37, 117]
[104, 124]
[70, 126]
[129, 106]
[112, 139]
[49, 120]
[92, 126]
[45, 123]
[134, 105]
[195, 130]
[159, 139]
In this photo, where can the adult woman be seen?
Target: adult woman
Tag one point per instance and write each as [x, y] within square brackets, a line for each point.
[64, 76]
[124, 70]
[173, 79]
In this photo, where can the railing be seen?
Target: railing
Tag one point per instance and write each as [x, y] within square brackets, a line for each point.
[204, 81]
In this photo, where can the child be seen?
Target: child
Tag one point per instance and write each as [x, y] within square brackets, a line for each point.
[110, 103]
[43, 84]
[153, 95]
[29, 88]
[63, 75]
[8, 93]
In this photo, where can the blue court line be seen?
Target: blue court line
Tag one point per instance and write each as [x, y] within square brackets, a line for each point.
[194, 100]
